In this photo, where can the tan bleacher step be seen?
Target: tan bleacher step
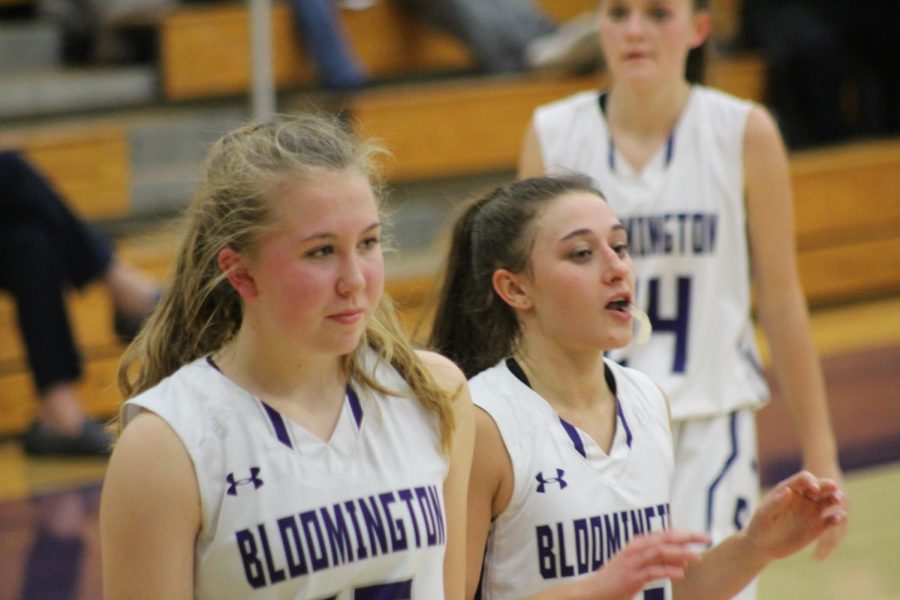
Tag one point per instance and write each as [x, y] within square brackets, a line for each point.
[847, 192]
[743, 75]
[205, 50]
[89, 164]
[847, 272]
[98, 392]
[456, 127]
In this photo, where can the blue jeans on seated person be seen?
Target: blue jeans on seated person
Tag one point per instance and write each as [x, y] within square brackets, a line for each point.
[319, 29]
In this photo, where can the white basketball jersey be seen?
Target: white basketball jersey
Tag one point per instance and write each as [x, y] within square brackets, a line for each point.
[684, 213]
[286, 515]
[573, 506]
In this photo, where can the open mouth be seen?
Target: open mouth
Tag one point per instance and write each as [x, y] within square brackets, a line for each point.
[620, 305]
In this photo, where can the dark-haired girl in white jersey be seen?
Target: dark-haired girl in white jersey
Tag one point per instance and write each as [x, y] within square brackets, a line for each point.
[570, 487]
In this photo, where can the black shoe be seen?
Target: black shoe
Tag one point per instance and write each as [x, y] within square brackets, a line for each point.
[128, 326]
[92, 441]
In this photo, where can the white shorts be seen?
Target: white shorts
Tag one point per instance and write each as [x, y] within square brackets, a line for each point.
[715, 488]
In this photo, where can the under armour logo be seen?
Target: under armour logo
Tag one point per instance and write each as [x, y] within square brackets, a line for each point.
[234, 483]
[542, 481]
[741, 513]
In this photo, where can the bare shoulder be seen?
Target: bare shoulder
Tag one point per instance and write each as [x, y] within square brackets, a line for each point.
[169, 464]
[442, 368]
[145, 429]
[762, 131]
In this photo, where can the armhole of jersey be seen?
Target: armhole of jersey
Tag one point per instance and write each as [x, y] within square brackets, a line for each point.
[512, 453]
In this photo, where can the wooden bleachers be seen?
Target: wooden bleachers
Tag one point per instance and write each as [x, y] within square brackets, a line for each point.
[205, 50]
[456, 127]
[87, 163]
[90, 314]
[847, 201]
[848, 238]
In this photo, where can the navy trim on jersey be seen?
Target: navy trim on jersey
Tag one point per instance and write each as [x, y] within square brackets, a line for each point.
[670, 149]
[278, 424]
[611, 382]
[516, 369]
[355, 406]
[573, 435]
[611, 146]
[624, 424]
[732, 424]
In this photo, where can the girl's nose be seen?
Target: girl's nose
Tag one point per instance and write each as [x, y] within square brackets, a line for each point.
[618, 267]
[351, 278]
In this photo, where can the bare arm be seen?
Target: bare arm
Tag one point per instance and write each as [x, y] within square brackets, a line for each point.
[457, 481]
[781, 304]
[531, 159]
[149, 514]
[797, 511]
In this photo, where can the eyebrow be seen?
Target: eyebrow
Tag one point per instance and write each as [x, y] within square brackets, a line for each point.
[586, 231]
[326, 235]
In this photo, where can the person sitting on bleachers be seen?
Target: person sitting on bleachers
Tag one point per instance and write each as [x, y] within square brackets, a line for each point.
[44, 251]
[504, 36]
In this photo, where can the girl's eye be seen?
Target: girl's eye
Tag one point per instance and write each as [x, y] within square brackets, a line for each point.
[620, 249]
[321, 252]
[660, 14]
[370, 242]
[616, 13]
[581, 254]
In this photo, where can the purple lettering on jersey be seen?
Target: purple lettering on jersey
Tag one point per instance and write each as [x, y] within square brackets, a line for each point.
[293, 549]
[434, 496]
[337, 534]
[428, 517]
[275, 574]
[395, 526]
[407, 497]
[565, 549]
[318, 556]
[374, 526]
[253, 568]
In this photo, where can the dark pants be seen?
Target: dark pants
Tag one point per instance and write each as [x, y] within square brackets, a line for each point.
[44, 251]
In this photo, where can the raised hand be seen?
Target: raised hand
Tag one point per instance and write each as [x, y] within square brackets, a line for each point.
[794, 513]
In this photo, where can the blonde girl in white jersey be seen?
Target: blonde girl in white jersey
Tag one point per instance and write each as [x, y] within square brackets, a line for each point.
[570, 486]
[668, 152]
[266, 449]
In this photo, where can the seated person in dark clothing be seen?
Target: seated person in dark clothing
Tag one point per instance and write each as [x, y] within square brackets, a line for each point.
[45, 251]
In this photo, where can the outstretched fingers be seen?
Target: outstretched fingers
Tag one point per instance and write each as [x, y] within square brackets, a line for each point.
[797, 511]
[662, 555]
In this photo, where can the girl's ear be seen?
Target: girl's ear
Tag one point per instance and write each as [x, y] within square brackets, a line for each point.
[233, 265]
[508, 286]
[702, 27]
